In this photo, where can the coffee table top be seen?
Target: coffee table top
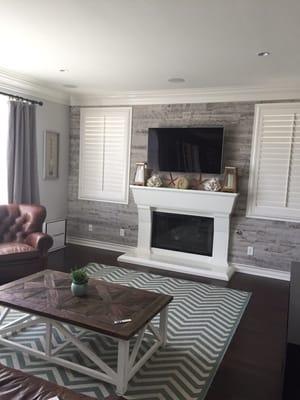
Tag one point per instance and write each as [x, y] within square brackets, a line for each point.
[48, 294]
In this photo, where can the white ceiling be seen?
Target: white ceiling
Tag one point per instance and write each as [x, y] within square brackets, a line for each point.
[128, 45]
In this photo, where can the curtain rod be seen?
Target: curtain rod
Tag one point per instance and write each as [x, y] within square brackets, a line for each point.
[40, 103]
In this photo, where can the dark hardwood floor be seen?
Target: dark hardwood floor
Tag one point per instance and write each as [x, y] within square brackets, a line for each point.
[253, 366]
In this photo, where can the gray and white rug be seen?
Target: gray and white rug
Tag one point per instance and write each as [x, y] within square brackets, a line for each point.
[202, 321]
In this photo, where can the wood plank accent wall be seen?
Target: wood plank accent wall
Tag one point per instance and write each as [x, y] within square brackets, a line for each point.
[275, 243]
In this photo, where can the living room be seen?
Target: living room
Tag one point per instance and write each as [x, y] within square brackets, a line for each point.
[149, 217]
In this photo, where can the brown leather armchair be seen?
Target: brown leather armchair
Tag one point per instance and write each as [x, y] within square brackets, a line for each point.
[23, 246]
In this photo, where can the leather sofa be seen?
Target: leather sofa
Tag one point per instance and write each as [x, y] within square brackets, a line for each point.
[23, 246]
[17, 385]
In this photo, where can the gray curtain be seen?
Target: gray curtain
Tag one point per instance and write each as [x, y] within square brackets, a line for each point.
[22, 154]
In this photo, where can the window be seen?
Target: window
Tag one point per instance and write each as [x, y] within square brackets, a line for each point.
[274, 181]
[4, 110]
[105, 136]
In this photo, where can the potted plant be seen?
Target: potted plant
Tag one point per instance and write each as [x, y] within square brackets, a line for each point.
[79, 282]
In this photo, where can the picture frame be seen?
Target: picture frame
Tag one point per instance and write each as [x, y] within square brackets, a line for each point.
[51, 155]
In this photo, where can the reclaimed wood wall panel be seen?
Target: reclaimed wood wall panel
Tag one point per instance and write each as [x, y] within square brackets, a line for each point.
[275, 243]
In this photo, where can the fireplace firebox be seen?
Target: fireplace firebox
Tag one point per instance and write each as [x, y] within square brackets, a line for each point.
[184, 233]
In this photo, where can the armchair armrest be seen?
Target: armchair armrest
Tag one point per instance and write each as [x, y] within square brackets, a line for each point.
[40, 241]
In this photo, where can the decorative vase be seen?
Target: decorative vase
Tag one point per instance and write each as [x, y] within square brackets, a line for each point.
[79, 289]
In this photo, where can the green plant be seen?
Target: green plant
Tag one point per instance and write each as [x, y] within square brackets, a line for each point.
[79, 276]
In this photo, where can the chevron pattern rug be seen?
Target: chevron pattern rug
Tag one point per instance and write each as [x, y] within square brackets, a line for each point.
[202, 321]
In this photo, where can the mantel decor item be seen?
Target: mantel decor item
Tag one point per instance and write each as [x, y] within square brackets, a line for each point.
[196, 182]
[141, 174]
[212, 185]
[230, 180]
[182, 182]
[154, 181]
[51, 155]
[170, 182]
[79, 284]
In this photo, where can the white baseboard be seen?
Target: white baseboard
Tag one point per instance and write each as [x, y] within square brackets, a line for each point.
[52, 250]
[264, 272]
[122, 248]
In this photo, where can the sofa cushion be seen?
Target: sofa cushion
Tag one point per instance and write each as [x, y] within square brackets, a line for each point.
[15, 251]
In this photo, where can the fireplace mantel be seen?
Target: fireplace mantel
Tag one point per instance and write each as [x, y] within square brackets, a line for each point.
[217, 205]
[185, 199]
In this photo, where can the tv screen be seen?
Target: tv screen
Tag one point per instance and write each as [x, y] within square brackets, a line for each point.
[186, 149]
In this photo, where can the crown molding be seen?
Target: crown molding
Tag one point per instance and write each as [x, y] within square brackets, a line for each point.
[181, 96]
[18, 85]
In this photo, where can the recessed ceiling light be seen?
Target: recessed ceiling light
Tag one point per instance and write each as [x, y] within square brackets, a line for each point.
[63, 70]
[176, 80]
[70, 86]
[263, 53]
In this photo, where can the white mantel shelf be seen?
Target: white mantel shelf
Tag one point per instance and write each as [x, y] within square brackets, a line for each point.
[217, 205]
[190, 200]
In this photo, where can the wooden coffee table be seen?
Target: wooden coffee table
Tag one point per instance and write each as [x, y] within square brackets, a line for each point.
[45, 297]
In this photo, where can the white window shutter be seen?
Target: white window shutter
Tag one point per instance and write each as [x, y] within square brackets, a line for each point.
[105, 136]
[274, 181]
[293, 198]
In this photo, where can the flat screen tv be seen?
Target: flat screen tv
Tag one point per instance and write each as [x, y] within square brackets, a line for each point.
[186, 149]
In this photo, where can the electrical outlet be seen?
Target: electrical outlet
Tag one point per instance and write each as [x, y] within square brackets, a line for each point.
[250, 251]
[122, 232]
[90, 228]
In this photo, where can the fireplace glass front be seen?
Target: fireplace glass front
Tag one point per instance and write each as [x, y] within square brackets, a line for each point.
[185, 233]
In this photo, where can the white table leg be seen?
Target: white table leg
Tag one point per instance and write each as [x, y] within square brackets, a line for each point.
[163, 325]
[125, 369]
[123, 366]
[4, 313]
[48, 339]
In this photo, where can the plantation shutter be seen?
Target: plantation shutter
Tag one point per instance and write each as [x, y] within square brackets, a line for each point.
[274, 183]
[104, 154]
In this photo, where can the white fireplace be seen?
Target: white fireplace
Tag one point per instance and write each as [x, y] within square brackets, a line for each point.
[162, 250]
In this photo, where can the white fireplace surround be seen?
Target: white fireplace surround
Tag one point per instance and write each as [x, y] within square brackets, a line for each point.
[216, 205]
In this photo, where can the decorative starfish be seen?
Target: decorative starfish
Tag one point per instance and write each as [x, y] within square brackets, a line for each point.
[196, 182]
[171, 180]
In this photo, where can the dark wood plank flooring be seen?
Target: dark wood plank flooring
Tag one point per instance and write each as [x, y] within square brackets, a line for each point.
[253, 366]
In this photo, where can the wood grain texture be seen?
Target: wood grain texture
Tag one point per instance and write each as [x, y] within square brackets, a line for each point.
[275, 243]
[48, 294]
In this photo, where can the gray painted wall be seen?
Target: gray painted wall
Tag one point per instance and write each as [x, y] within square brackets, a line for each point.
[275, 243]
[53, 193]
